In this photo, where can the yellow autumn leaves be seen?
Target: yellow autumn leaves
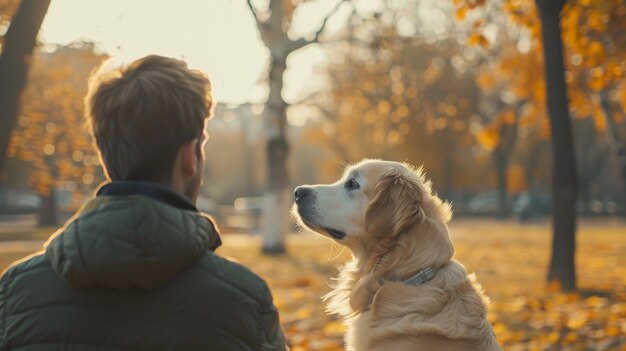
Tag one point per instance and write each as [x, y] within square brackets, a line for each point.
[509, 260]
[592, 34]
[50, 134]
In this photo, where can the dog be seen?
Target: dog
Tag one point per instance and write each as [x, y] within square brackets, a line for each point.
[402, 289]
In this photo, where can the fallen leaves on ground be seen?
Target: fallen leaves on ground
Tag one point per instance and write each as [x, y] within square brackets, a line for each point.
[510, 261]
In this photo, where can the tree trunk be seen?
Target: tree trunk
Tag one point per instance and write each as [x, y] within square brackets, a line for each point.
[447, 165]
[585, 194]
[585, 135]
[591, 159]
[277, 198]
[565, 183]
[19, 42]
[247, 156]
[615, 140]
[501, 161]
[48, 213]
[273, 29]
[530, 165]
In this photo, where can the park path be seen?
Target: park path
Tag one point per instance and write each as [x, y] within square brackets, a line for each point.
[17, 223]
[460, 229]
[7, 247]
[231, 240]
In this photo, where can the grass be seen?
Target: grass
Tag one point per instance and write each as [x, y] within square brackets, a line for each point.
[510, 261]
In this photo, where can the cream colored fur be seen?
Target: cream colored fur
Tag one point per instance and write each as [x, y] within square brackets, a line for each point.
[395, 226]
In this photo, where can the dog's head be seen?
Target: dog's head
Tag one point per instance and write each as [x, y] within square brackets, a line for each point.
[371, 206]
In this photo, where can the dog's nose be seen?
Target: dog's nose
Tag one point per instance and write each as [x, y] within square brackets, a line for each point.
[302, 192]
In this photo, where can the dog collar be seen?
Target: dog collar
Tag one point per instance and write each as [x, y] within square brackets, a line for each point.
[421, 277]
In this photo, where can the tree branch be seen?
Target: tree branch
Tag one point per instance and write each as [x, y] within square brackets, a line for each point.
[302, 42]
[261, 25]
[309, 99]
[254, 13]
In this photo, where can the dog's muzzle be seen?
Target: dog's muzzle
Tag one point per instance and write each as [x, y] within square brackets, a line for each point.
[305, 201]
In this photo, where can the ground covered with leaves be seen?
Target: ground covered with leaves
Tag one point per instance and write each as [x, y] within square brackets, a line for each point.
[509, 259]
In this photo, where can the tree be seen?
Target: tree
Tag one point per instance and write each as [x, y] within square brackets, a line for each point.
[593, 37]
[274, 24]
[17, 47]
[397, 96]
[588, 32]
[50, 132]
[395, 83]
[564, 181]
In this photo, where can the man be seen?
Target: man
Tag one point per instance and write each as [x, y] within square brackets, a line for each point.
[134, 269]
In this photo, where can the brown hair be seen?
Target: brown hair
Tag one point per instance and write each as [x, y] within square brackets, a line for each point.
[141, 114]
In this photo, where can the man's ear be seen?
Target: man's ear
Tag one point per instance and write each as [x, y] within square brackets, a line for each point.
[188, 154]
[396, 206]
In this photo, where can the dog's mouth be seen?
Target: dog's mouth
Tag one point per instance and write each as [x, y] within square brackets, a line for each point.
[337, 234]
[307, 218]
[334, 233]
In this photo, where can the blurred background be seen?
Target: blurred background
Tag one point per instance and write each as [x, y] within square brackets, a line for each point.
[306, 87]
[459, 89]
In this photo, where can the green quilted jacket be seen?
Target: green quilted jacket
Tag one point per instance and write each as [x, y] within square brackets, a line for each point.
[136, 272]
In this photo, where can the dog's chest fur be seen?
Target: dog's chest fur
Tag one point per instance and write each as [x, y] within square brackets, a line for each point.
[363, 327]
[356, 337]
[438, 316]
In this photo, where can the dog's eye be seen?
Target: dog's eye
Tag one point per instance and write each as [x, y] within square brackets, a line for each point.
[352, 184]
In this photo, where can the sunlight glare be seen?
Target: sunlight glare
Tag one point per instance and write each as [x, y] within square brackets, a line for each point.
[218, 37]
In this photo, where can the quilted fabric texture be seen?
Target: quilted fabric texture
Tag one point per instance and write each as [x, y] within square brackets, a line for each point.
[134, 273]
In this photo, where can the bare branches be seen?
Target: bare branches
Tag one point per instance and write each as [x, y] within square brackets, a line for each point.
[302, 42]
[262, 25]
[254, 12]
[309, 99]
[331, 13]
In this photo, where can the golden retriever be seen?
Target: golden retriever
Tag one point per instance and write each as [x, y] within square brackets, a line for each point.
[402, 290]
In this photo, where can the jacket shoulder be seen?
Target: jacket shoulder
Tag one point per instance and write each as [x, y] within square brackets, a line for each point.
[32, 262]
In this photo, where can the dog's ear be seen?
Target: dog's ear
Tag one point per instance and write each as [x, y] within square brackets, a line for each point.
[396, 205]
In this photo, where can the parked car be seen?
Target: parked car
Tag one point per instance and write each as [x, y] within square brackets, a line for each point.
[532, 204]
[13, 202]
[484, 203]
[535, 205]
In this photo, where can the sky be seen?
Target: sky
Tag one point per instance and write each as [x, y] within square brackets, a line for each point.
[216, 36]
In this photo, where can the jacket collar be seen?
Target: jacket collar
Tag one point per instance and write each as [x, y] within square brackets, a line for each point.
[129, 241]
[157, 192]
[149, 189]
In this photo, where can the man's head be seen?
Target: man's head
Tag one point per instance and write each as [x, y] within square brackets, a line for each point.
[148, 120]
